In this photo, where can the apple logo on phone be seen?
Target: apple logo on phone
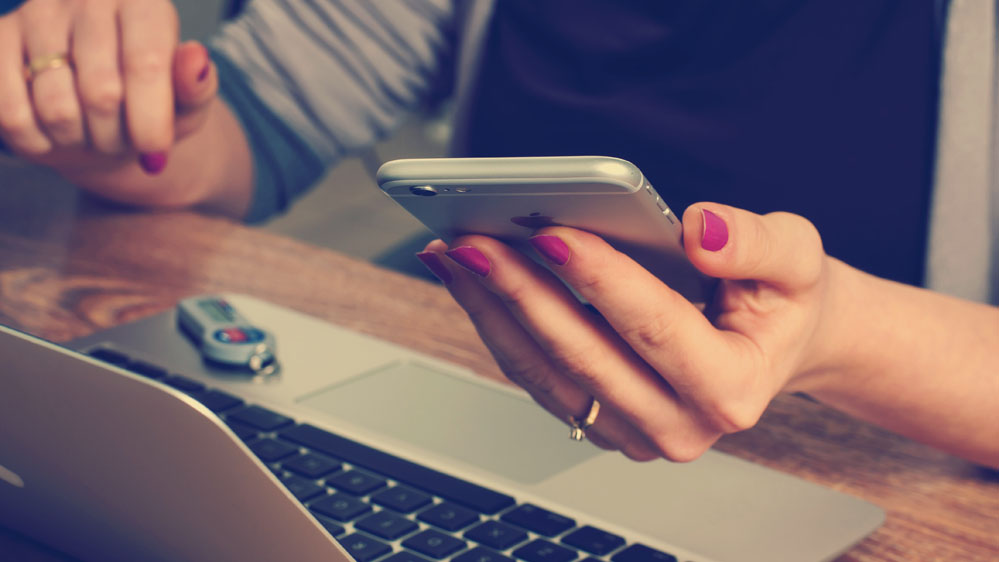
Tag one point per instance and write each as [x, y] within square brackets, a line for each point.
[535, 220]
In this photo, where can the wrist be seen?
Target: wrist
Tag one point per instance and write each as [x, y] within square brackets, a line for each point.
[837, 342]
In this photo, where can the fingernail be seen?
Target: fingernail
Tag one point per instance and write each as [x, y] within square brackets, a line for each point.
[435, 265]
[153, 162]
[471, 259]
[714, 235]
[204, 71]
[552, 248]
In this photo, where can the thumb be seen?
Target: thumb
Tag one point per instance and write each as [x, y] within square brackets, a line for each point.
[194, 77]
[782, 249]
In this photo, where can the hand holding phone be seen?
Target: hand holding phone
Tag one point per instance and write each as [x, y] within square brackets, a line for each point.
[510, 198]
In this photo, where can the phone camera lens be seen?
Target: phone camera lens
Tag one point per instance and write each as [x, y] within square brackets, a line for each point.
[423, 190]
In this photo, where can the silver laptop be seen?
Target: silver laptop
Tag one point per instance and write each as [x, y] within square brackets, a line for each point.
[133, 448]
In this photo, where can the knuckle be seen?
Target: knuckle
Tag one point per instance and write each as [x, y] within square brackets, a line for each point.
[652, 332]
[639, 453]
[809, 250]
[680, 450]
[731, 417]
[733, 420]
[108, 144]
[578, 362]
[59, 113]
[147, 63]
[535, 380]
[479, 315]
[16, 120]
[588, 283]
[103, 94]
[811, 240]
[599, 275]
[528, 376]
[755, 261]
[515, 295]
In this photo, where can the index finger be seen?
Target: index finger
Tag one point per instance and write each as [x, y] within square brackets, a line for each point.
[148, 39]
[585, 349]
[703, 364]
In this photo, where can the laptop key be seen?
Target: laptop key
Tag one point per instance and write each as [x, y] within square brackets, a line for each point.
[184, 384]
[301, 488]
[244, 432]
[460, 491]
[147, 370]
[331, 526]
[356, 482]
[642, 553]
[449, 516]
[341, 507]
[495, 534]
[311, 465]
[593, 540]
[482, 554]
[260, 418]
[538, 520]
[405, 556]
[401, 498]
[109, 356]
[540, 550]
[386, 525]
[270, 450]
[434, 544]
[363, 548]
[216, 400]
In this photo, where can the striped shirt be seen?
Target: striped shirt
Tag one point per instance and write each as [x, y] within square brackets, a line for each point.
[313, 81]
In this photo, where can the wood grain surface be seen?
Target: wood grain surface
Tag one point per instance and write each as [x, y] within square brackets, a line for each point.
[70, 266]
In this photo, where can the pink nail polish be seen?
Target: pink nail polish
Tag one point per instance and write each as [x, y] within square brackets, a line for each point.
[471, 259]
[153, 162]
[552, 248]
[714, 235]
[436, 266]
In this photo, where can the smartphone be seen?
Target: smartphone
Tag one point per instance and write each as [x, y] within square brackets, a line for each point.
[511, 198]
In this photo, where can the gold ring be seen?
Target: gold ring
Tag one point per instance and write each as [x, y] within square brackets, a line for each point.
[578, 431]
[43, 63]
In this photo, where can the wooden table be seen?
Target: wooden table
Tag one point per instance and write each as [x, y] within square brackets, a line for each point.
[70, 266]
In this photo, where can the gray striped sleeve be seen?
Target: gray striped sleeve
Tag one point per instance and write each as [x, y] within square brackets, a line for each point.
[340, 73]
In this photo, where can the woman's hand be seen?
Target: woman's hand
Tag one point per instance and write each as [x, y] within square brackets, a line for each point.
[99, 85]
[671, 379]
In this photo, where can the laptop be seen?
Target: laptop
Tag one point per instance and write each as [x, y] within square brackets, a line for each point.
[126, 445]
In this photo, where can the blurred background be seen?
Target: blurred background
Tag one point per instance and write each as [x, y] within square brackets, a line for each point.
[345, 211]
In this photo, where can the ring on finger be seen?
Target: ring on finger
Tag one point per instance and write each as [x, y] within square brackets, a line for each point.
[44, 63]
[578, 431]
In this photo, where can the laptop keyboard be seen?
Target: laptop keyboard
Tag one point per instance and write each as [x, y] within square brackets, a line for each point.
[383, 508]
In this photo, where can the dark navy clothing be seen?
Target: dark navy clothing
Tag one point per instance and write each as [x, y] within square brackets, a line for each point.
[825, 108]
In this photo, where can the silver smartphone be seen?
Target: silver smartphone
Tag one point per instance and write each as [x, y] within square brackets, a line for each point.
[510, 198]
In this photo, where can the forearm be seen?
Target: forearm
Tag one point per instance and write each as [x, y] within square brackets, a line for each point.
[916, 362]
[210, 170]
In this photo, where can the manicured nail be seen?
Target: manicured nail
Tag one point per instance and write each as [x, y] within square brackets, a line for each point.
[714, 236]
[435, 265]
[204, 71]
[471, 259]
[153, 162]
[552, 248]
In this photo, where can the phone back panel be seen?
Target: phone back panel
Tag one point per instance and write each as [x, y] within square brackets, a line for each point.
[511, 198]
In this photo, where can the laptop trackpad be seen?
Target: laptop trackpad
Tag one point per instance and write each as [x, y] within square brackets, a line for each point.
[451, 416]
